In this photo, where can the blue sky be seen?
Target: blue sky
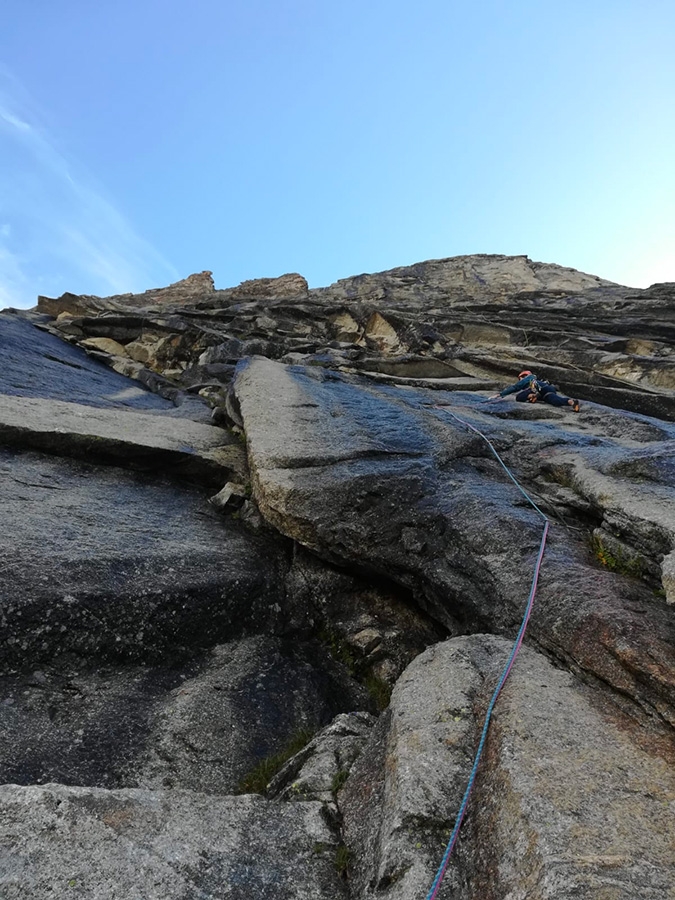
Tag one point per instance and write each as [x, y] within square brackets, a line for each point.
[142, 141]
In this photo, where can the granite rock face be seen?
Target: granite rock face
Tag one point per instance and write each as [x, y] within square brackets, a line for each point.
[38, 364]
[389, 481]
[144, 440]
[319, 770]
[565, 804]
[237, 522]
[104, 561]
[481, 317]
[244, 705]
[165, 845]
[188, 290]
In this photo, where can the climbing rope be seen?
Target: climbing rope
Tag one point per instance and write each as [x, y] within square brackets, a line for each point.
[435, 887]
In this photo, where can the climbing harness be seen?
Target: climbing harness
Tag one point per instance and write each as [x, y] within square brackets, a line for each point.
[435, 887]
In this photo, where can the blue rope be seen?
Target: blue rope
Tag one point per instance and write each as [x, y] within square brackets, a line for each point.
[507, 669]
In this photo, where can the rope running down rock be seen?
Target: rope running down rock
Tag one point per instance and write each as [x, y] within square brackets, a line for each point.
[435, 887]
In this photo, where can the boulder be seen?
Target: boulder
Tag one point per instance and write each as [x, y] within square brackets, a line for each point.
[143, 351]
[566, 802]
[668, 577]
[381, 334]
[105, 345]
[346, 328]
[232, 495]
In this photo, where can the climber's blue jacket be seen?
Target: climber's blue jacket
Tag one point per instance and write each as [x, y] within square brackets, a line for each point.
[522, 385]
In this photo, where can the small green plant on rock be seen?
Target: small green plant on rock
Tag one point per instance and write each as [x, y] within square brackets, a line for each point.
[561, 474]
[320, 847]
[338, 781]
[379, 691]
[300, 791]
[343, 857]
[256, 781]
[338, 649]
[616, 561]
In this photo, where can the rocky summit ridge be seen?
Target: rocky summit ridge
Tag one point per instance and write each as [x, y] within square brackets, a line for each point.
[259, 581]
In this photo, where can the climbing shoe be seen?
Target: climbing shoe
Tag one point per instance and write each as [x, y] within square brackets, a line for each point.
[576, 406]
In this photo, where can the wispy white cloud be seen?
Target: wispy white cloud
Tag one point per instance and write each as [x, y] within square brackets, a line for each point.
[58, 231]
[13, 120]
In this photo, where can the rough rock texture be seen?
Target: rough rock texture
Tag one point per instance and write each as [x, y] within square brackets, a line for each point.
[245, 704]
[81, 724]
[101, 560]
[191, 448]
[284, 287]
[188, 290]
[482, 276]
[483, 316]
[565, 804]
[376, 477]
[319, 770]
[61, 842]
[375, 628]
[668, 577]
[160, 651]
[38, 364]
[202, 723]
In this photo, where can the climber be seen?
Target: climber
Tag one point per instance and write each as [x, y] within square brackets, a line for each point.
[529, 388]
